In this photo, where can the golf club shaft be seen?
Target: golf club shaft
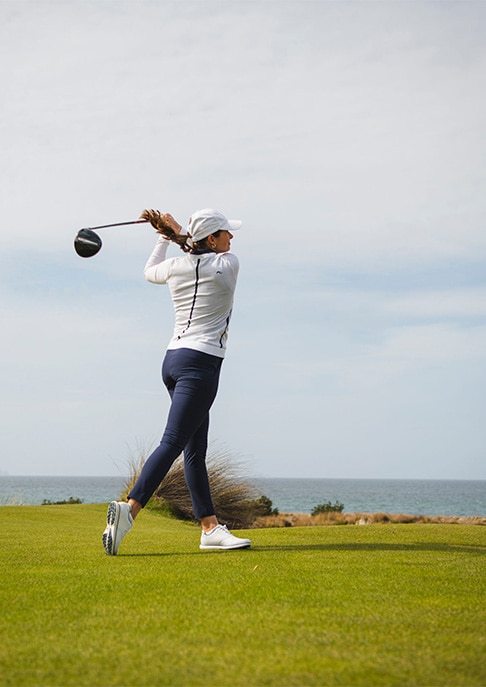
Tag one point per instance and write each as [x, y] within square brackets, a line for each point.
[118, 224]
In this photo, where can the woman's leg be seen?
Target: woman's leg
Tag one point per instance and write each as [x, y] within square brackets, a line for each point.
[196, 473]
[192, 380]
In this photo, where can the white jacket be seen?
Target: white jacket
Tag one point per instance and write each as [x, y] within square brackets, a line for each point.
[202, 288]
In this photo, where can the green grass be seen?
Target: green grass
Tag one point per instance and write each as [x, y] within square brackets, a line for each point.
[346, 605]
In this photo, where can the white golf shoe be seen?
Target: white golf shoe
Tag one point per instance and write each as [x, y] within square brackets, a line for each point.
[118, 523]
[220, 539]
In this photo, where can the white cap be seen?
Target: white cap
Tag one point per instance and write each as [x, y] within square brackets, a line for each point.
[206, 222]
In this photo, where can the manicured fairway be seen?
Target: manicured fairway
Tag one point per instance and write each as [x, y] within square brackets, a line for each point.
[346, 605]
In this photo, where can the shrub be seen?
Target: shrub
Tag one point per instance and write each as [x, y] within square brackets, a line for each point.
[263, 506]
[70, 502]
[328, 507]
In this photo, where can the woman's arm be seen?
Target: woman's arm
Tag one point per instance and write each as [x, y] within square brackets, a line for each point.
[155, 270]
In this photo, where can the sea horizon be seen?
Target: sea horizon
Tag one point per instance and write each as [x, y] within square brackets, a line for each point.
[265, 477]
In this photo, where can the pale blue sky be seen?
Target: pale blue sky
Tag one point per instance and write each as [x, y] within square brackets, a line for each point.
[348, 136]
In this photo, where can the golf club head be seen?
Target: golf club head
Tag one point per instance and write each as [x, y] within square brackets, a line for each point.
[87, 243]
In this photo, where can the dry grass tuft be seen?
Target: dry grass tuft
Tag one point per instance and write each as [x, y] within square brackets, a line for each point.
[235, 498]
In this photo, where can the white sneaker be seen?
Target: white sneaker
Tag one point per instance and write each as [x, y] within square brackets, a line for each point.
[220, 538]
[118, 523]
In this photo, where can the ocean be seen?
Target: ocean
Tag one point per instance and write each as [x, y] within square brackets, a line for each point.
[415, 497]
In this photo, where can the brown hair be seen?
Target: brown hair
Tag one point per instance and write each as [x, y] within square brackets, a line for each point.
[160, 225]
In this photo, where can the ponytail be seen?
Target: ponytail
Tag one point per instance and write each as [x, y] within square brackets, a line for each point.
[161, 226]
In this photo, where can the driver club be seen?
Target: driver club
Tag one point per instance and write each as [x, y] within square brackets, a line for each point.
[87, 242]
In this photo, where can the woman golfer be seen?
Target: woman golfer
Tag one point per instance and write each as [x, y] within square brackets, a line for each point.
[202, 284]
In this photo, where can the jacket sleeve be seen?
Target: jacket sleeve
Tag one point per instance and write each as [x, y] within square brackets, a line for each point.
[157, 267]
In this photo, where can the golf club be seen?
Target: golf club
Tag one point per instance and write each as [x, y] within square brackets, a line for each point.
[87, 242]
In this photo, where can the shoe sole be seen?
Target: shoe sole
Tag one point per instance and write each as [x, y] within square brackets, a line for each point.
[112, 517]
[224, 548]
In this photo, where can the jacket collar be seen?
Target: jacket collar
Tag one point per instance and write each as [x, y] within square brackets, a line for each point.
[201, 251]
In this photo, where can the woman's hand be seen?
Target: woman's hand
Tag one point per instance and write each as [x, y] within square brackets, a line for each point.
[173, 224]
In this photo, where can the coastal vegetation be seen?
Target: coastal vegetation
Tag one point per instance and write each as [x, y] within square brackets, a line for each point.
[240, 504]
[305, 606]
[71, 500]
[338, 518]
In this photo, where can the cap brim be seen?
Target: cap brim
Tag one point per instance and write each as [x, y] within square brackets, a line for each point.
[235, 224]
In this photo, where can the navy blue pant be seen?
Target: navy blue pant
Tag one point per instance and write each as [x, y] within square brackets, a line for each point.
[192, 380]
